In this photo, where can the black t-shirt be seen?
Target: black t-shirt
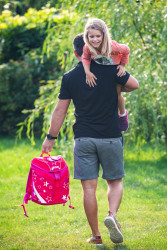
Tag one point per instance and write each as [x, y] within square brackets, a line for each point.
[96, 108]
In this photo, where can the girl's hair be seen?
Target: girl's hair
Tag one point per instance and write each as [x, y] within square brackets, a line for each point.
[98, 24]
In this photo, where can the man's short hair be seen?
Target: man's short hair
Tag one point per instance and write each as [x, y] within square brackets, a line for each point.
[78, 44]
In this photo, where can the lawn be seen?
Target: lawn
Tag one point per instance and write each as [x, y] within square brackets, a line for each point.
[143, 211]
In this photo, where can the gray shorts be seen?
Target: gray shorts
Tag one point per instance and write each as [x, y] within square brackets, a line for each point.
[90, 153]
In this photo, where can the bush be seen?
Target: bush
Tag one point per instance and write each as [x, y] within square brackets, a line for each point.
[19, 41]
[17, 91]
[21, 7]
[20, 34]
[19, 87]
[24, 67]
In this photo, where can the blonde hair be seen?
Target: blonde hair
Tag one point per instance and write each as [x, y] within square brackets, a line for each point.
[98, 24]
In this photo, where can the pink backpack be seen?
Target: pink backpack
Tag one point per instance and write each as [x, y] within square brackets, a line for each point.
[48, 182]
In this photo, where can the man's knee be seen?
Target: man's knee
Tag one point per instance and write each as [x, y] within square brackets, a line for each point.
[114, 182]
[89, 184]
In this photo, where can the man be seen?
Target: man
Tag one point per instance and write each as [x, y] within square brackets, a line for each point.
[97, 135]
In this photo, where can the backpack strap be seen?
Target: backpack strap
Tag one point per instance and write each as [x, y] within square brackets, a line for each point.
[70, 203]
[25, 201]
[25, 213]
[27, 195]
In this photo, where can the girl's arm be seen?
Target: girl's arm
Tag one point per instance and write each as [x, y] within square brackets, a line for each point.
[121, 71]
[86, 56]
[86, 68]
[86, 59]
[90, 77]
[121, 49]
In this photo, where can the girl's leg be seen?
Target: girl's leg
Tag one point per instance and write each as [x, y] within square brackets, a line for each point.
[123, 115]
[121, 102]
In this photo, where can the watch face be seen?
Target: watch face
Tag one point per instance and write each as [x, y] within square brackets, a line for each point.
[49, 137]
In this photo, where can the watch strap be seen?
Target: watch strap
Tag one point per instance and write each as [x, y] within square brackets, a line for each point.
[50, 137]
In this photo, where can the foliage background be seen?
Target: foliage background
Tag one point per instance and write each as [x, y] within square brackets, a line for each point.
[35, 50]
[139, 24]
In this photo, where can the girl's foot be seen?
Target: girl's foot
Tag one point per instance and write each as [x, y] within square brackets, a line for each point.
[124, 121]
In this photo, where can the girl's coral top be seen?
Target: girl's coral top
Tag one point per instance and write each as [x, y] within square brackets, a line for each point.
[119, 54]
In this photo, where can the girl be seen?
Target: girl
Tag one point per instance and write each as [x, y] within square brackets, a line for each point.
[103, 50]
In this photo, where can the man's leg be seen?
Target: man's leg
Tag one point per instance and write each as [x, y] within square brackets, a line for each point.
[86, 169]
[110, 153]
[114, 194]
[90, 204]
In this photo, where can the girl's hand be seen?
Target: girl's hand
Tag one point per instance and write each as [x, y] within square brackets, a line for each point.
[90, 79]
[121, 71]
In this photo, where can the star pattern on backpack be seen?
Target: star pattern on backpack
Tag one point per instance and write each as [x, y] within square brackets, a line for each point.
[65, 185]
[34, 176]
[46, 183]
[49, 199]
[65, 198]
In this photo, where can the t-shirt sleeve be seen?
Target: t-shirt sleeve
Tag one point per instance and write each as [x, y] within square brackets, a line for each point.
[64, 89]
[122, 80]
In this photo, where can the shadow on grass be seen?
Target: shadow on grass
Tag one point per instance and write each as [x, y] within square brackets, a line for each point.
[116, 247]
[120, 247]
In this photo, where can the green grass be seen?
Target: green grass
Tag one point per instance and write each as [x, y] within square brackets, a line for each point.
[143, 211]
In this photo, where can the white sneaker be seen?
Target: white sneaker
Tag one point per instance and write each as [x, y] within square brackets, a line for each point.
[114, 228]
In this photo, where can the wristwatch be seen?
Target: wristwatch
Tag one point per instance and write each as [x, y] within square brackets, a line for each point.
[50, 137]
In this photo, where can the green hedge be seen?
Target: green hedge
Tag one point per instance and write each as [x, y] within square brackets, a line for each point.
[19, 41]
[24, 65]
[17, 91]
[21, 7]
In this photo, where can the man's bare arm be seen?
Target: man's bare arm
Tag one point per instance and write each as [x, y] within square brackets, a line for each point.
[131, 85]
[57, 120]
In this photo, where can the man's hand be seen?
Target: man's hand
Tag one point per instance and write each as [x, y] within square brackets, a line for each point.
[47, 145]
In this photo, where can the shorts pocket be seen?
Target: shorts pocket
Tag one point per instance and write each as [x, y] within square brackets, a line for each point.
[82, 139]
